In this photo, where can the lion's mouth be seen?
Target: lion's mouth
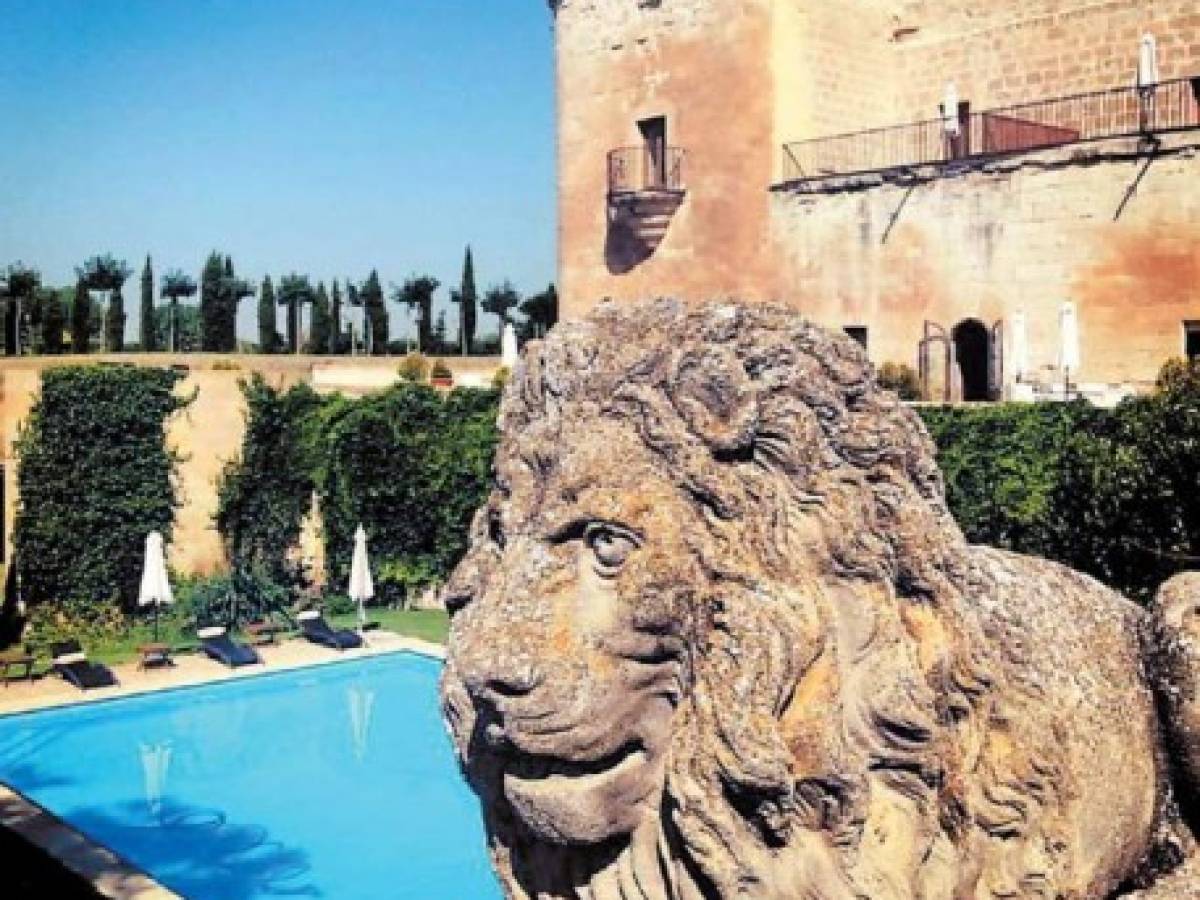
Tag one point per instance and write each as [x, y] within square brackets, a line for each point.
[532, 768]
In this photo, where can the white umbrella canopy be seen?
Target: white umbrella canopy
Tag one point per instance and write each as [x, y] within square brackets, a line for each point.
[950, 109]
[508, 347]
[1020, 346]
[1147, 72]
[156, 585]
[1068, 350]
[362, 588]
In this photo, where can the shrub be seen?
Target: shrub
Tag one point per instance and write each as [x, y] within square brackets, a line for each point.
[1114, 493]
[94, 477]
[440, 370]
[500, 379]
[900, 378]
[414, 369]
[81, 620]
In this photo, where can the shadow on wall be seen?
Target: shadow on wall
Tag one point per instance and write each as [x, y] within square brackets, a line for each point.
[624, 250]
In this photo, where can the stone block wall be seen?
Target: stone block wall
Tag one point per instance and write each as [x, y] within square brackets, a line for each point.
[1116, 231]
[703, 65]
[1000, 54]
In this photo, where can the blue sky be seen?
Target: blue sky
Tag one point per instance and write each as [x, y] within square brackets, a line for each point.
[310, 135]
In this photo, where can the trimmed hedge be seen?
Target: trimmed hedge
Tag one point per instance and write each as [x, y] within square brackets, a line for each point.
[1114, 493]
[94, 477]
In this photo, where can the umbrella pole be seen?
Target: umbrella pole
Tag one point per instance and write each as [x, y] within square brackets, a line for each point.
[156, 621]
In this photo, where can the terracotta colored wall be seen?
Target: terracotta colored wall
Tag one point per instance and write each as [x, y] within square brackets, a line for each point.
[706, 67]
[210, 432]
[1025, 234]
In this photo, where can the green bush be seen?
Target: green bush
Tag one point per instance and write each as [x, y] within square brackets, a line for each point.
[94, 477]
[1114, 493]
[900, 378]
[81, 620]
[232, 600]
[414, 368]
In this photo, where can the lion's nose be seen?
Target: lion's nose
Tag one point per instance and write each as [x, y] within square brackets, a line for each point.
[498, 685]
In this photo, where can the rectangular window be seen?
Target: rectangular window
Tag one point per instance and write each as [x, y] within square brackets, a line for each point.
[654, 137]
[858, 333]
[1191, 339]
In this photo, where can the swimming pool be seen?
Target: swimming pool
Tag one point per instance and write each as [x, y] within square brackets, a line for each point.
[334, 781]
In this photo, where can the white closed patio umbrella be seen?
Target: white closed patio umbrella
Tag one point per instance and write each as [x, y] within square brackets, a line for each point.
[362, 588]
[950, 110]
[508, 347]
[1068, 349]
[1147, 71]
[1020, 346]
[156, 586]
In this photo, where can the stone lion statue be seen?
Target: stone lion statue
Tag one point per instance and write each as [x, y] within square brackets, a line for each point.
[718, 636]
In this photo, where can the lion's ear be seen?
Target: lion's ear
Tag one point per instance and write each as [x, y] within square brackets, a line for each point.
[710, 389]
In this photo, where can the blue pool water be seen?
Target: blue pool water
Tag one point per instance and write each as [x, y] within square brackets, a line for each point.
[336, 782]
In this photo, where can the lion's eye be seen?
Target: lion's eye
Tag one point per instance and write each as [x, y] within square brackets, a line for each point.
[610, 545]
[495, 528]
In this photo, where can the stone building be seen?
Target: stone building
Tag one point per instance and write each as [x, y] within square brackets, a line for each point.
[945, 180]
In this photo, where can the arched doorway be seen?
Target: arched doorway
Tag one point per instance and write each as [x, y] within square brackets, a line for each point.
[972, 352]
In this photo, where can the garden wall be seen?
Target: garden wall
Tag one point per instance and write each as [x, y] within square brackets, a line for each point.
[210, 432]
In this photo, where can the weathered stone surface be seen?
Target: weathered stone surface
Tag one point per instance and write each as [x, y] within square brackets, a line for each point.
[717, 635]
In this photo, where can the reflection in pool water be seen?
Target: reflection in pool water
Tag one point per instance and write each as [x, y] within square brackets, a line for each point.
[329, 782]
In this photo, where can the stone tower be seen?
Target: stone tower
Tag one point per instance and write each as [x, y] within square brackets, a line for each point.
[665, 143]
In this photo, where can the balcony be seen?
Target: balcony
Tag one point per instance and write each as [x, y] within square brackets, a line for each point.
[1121, 112]
[645, 189]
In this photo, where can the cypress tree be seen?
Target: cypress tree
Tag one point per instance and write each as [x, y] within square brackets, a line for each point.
[81, 319]
[146, 325]
[335, 320]
[210, 302]
[377, 317]
[268, 335]
[467, 299]
[320, 333]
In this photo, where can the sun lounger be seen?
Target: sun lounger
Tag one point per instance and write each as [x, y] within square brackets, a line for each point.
[72, 664]
[314, 627]
[217, 644]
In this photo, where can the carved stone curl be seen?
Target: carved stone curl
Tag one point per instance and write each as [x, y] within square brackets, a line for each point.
[717, 636]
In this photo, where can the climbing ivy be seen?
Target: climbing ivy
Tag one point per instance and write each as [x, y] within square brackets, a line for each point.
[94, 476]
[408, 465]
[263, 496]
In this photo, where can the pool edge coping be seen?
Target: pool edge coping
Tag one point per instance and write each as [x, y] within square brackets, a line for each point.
[111, 875]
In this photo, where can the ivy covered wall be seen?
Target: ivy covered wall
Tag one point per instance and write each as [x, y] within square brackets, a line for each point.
[407, 463]
[94, 476]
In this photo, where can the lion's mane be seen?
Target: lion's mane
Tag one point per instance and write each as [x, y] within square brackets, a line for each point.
[769, 424]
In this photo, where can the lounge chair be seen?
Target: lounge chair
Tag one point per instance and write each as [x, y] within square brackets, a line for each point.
[72, 664]
[314, 627]
[217, 644]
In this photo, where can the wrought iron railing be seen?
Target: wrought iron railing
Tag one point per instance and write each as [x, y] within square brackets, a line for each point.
[636, 169]
[1169, 106]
